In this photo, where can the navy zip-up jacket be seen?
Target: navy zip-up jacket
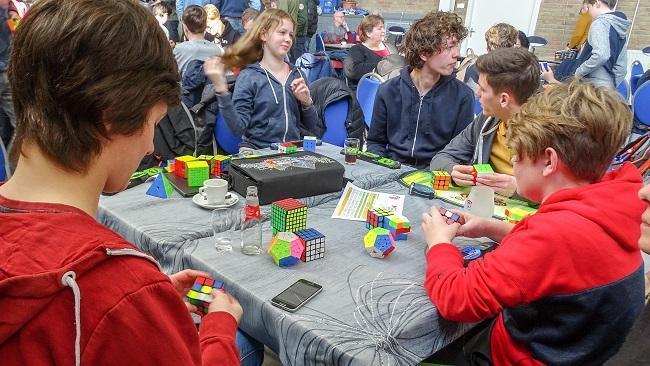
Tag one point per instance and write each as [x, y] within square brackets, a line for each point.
[264, 111]
[412, 129]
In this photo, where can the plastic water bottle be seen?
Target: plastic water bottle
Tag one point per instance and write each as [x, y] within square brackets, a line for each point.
[251, 226]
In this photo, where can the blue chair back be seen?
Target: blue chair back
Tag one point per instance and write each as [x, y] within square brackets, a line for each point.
[366, 92]
[477, 106]
[335, 115]
[646, 51]
[637, 68]
[224, 138]
[624, 89]
[320, 43]
[641, 104]
[635, 74]
[4, 163]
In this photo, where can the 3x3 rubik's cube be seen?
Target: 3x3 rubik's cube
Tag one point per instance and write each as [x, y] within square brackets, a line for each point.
[481, 169]
[287, 147]
[516, 214]
[291, 237]
[219, 164]
[200, 295]
[398, 226]
[441, 180]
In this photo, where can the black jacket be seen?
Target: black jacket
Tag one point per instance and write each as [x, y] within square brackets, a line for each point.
[312, 17]
[325, 91]
[360, 61]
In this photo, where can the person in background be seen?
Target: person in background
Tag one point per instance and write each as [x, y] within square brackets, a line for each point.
[500, 35]
[579, 36]
[522, 40]
[298, 10]
[364, 57]
[338, 30]
[271, 101]
[6, 103]
[417, 113]
[248, 18]
[196, 47]
[256, 4]
[161, 12]
[231, 10]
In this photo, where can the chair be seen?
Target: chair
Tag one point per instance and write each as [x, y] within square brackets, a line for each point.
[320, 43]
[366, 92]
[4, 163]
[646, 51]
[624, 89]
[398, 32]
[224, 138]
[641, 104]
[635, 74]
[477, 106]
[536, 41]
[335, 116]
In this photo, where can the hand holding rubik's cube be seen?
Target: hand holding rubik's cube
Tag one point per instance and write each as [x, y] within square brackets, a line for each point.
[481, 169]
[451, 217]
[200, 295]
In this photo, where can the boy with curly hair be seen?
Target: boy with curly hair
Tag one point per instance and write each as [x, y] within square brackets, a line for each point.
[417, 113]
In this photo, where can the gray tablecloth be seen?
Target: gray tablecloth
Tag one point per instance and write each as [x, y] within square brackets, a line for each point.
[371, 311]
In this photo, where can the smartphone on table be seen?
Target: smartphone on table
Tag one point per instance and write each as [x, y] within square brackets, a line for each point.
[296, 295]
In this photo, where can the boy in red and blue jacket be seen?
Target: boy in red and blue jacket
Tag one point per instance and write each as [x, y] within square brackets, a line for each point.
[566, 284]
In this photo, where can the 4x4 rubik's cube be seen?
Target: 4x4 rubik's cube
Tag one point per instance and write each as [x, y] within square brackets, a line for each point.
[200, 293]
[288, 215]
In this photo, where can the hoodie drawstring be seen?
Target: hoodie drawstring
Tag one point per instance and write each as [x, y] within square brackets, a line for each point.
[478, 154]
[69, 279]
[271, 85]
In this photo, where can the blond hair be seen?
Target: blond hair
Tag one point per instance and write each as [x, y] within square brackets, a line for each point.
[212, 11]
[501, 35]
[585, 124]
[249, 48]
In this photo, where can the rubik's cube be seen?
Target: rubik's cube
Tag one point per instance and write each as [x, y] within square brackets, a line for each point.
[200, 293]
[480, 169]
[180, 164]
[376, 217]
[516, 214]
[197, 172]
[221, 164]
[309, 143]
[287, 147]
[288, 215]
[451, 217]
[314, 243]
[286, 249]
[170, 165]
[399, 226]
[378, 242]
[441, 180]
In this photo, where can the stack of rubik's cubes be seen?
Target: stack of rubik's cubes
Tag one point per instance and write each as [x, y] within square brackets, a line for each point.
[290, 215]
[399, 226]
[441, 180]
[200, 293]
[194, 170]
[218, 163]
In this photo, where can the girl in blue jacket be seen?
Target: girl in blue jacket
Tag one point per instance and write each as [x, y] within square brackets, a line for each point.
[271, 101]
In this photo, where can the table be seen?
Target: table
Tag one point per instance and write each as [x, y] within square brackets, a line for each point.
[371, 311]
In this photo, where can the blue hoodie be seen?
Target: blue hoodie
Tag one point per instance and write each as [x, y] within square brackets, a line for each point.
[231, 8]
[412, 129]
[263, 111]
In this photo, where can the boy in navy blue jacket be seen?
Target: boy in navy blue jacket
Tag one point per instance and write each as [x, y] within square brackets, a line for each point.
[417, 113]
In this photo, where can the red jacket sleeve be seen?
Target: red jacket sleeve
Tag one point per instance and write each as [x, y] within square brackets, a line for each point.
[152, 326]
[218, 339]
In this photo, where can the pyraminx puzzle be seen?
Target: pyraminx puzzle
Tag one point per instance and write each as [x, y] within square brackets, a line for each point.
[200, 293]
[160, 187]
[286, 249]
[378, 242]
[398, 225]
[441, 180]
[197, 172]
[288, 215]
[376, 217]
[314, 243]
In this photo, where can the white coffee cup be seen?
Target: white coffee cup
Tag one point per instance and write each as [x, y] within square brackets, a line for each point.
[214, 191]
[480, 201]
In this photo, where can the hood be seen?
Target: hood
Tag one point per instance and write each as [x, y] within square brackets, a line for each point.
[607, 203]
[36, 268]
[293, 74]
[618, 21]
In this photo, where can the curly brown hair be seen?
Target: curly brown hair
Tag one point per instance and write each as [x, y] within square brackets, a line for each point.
[429, 35]
[501, 35]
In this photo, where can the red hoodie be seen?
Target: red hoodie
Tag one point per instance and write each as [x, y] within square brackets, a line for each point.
[565, 284]
[72, 289]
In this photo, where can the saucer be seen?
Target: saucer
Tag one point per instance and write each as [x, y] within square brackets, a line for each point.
[231, 199]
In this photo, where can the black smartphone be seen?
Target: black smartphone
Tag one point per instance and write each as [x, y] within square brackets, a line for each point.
[296, 295]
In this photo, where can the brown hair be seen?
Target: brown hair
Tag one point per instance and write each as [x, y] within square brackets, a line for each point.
[512, 70]
[427, 35]
[211, 11]
[79, 65]
[609, 3]
[367, 24]
[501, 35]
[195, 19]
[585, 124]
[249, 14]
[249, 48]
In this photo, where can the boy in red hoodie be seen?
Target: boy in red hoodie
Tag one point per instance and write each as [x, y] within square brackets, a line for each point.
[91, 79]
[566, 284]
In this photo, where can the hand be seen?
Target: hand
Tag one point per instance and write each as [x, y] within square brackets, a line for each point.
[183, 282]
[436, 230]
[474, 226]
[227, 303]
[503, 184]
[214, 70]
[462, 175]
[345, 25]
[301, 92]
[548, 75]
